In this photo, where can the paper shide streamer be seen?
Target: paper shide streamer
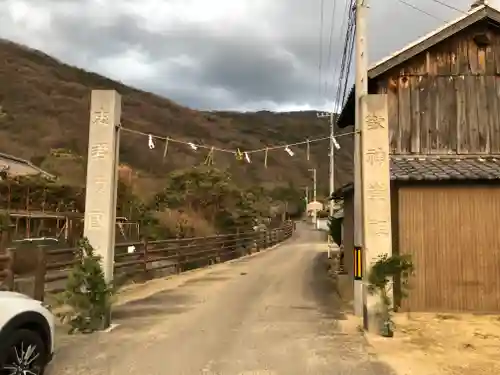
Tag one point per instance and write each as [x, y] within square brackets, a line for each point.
[238, 153]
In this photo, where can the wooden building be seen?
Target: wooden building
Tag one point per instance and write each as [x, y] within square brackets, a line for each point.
[444, 124]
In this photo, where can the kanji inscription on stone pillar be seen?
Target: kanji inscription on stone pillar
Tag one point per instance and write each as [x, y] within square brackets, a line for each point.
[102, 175]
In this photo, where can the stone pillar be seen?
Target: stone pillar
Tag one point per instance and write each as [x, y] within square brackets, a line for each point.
[102, 176]
[375, 183]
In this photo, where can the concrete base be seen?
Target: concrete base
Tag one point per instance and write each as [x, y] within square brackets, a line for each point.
[358, 298]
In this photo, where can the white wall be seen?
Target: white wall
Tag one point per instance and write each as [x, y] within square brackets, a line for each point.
[322, 224]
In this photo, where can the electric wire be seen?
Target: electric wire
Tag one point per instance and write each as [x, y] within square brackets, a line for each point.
[330, 42]
[414, 7]
[449, 6]
[320, 63]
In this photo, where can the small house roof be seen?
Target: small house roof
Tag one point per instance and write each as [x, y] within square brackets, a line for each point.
[7, 157]
[478, 13]
[314, 205]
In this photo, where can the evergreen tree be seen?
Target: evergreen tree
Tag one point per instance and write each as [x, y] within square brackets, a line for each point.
[87, 293]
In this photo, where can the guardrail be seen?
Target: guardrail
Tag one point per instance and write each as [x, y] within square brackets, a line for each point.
[148, 258]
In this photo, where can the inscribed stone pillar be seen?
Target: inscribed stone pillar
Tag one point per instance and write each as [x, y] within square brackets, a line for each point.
[376, 192]
[102, 176]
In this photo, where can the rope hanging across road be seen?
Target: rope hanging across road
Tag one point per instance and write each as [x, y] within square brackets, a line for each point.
[240, 154]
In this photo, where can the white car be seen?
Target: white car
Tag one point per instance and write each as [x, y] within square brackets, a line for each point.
[26, 335]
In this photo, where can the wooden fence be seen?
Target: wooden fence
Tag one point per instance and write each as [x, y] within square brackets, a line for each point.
[146, 259]
[6, 274]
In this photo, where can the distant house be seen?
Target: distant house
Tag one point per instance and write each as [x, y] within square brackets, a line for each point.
[444, 123]
[15, 166]
[313, 208]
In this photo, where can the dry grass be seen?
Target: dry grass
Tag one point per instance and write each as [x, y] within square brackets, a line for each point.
[190, 224]
[442, 344]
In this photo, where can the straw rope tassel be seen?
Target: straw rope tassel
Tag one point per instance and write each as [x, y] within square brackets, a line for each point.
[210, 157]
[265, 159]
[308, 150]
[165, 150]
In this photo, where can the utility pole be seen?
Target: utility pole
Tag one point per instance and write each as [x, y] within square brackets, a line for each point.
[306, 198]
[313, 170]
[332, 156]
[361, 89]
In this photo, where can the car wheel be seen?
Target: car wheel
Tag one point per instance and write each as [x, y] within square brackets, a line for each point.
[24, 353]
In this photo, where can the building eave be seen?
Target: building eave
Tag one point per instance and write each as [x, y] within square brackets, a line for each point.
[482, 12]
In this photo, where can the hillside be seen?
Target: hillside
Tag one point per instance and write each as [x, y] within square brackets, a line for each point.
[44, 106]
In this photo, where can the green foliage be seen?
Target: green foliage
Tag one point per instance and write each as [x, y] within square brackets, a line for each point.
[211, 193]
[383, 271]
[47, 195]
[41, 193]
[335, 229]
[150, 225]
[4, 222]
[294, 197]
[87, 293]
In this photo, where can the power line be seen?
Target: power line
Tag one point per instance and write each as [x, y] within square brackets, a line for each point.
[346, 55]
[449, 6]
[420, 10]
[350, 54]
[320, 63]
[338, 62]
[330, 42]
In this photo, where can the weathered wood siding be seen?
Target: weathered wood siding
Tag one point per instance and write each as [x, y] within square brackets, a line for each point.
[452, 233]
[447, 100]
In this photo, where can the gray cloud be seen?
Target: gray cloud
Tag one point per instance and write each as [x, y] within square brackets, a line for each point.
[263, 56]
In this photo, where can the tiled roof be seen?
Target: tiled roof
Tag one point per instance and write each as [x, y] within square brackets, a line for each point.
[405, 168]
[444, 168]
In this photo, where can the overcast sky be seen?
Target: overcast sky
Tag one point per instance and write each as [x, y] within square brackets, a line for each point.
[214, 54]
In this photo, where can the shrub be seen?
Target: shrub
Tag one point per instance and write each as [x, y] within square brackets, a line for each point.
[87, 294]
[384, 270]
[335, 229]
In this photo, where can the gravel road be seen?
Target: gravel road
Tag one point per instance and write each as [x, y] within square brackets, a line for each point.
[275, 313]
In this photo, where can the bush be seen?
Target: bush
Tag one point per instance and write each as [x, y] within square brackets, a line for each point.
[335, 229]
[383, 271]
[184, 224]
[87, 293]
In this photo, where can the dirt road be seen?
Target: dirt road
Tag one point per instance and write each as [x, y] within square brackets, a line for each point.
[275, 313]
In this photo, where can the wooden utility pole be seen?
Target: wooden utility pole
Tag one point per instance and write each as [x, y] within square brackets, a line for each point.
[313, 170]
[331, 154]
[361, 90]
